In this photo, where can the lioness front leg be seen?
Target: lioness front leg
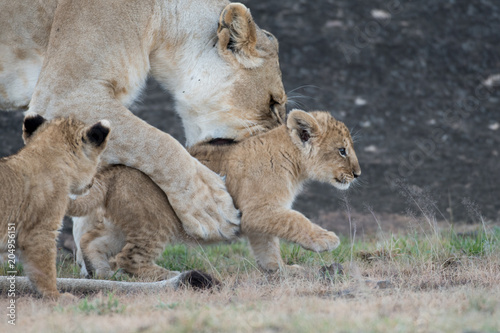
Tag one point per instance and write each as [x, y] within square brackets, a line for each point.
[292, 226]
[197, 194]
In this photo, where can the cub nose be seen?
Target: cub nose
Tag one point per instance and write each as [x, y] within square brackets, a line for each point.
[356, 174]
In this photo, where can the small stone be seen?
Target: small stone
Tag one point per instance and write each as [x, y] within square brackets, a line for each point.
[334, 24]
[380, 14]
[492, 80]
[494, 126]
[360, 101]
[384, 284]
[332, 271]
[381, 284]
[365, 123]
[371, 149]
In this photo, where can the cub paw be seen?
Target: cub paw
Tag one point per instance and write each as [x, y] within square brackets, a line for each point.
[67, 298]
[323, 241]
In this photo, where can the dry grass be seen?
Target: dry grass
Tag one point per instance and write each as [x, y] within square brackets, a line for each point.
[431, 282]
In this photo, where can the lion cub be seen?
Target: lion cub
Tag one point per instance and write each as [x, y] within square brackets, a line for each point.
[132, 218]
[60, 159]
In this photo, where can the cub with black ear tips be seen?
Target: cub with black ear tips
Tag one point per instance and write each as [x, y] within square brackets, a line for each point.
[98, 133]
[60, 159]
[32, 122]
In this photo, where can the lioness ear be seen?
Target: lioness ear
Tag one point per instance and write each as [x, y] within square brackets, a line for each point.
[98, 133]
[303, 127]
[32, 122]
[237, 35]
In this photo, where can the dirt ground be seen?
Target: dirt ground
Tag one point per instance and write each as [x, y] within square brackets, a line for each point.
[417, 81]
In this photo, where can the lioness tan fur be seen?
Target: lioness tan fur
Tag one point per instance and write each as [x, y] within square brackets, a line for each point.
[59, 159]
[132, 218]
[90, 59]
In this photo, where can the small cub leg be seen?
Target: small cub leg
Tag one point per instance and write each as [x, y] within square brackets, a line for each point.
[139, 261]
[97, 247]
[38, 250]
[266, 250]
[292, 226]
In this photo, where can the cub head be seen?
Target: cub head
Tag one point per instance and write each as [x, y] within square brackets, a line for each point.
[77, 148]
[326, 147]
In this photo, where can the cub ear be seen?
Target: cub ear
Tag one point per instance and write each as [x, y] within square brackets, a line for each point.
[98, 133]
[303, 126]
[237, 35]
[32, 122]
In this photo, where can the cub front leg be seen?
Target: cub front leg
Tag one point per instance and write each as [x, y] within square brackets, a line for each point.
[266, 249]
[290, 225]
[38, 253]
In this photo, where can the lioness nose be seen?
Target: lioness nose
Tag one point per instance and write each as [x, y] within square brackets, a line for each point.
[356, 174]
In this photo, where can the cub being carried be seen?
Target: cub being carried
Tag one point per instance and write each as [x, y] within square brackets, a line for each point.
[90, 59]
[60, 159]
[132, 218]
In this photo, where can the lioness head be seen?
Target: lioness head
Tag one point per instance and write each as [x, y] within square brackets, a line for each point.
[80, 145]
[327, 147]
[234, 87]
[258, 96]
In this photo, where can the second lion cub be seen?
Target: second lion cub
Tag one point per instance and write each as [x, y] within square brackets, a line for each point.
[60, 159]
[130, 216]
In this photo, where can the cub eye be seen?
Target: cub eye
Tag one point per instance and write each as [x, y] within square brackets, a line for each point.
[342, 152]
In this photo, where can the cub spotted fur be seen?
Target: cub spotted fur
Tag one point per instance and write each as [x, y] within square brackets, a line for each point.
[90, 59]
[60, 159]
[132, 219]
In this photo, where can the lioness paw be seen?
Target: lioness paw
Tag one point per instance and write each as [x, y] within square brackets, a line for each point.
[210, 214]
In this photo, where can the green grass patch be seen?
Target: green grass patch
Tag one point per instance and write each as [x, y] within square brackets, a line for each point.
[100, 305]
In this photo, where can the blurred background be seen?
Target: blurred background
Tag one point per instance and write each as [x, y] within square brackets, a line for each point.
[417, 82]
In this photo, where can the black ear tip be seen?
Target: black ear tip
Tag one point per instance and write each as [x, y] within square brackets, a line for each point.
[98, 132]
[31, 122]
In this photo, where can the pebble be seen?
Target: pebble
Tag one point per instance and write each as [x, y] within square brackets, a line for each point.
[380, 14]
[359, 101]
[492, 80]
[494, 126]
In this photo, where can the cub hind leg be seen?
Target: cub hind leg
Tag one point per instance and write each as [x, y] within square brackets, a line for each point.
[81, 225]
[138, 258]
[99, 244]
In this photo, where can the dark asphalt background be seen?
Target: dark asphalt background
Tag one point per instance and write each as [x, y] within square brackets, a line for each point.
[417, 81]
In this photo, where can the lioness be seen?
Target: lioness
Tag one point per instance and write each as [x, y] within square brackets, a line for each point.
[132, 218]
[60, 158]
[90, 59]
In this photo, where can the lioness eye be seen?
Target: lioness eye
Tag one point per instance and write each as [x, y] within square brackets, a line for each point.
[342, 152]
[272, 103]
[278, 112]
